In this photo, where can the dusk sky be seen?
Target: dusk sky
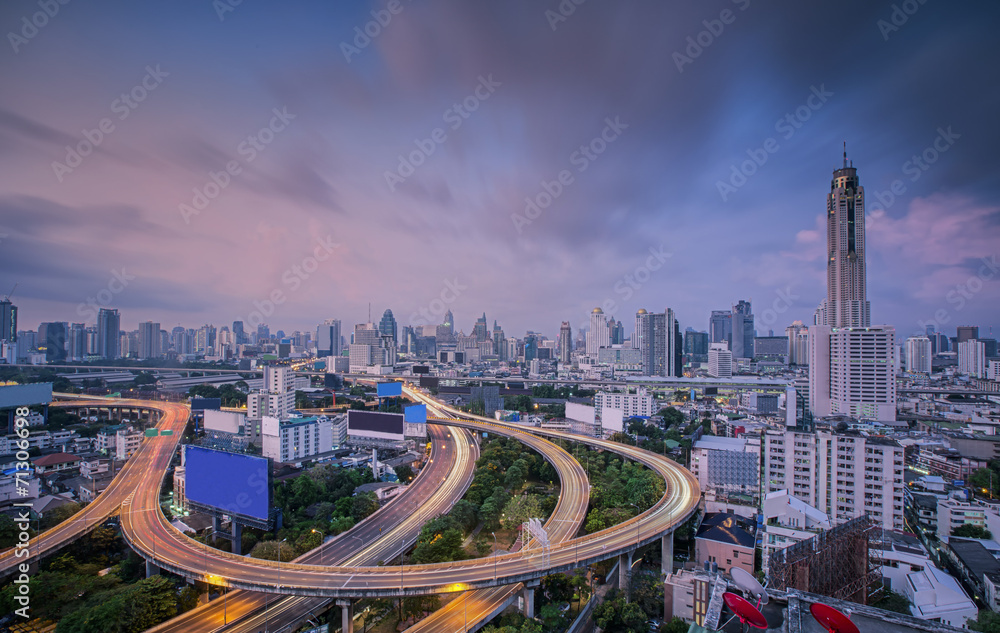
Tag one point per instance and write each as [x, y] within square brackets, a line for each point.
[677, 117]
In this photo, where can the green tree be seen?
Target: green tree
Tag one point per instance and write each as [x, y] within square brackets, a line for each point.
[556, 589]
[466, 514]
[404, 473]
[521, 508]
[363, 505]
[987, 622]
[614, 615]
[970, 530]
[895, 602]
[675, 625]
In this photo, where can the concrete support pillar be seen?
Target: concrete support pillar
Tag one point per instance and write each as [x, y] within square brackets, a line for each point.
[237, 539]
[346, 616]
[151, 569]
[667, 549]
[216, 524]
[529, 602]
[203, 589]
[625, 573]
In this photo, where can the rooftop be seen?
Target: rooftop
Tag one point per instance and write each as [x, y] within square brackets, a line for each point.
[55, 459]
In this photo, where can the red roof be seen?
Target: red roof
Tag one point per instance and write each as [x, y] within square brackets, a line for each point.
[55, 458]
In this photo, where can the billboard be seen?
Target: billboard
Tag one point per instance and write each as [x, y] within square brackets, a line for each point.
[389, 389]
[13, 396]
[429, 382]
[227, 421]
[611, 420]
[386, 426]
[580, 412]
[235, 484]
[201, 404]
[416, 413]
[421, 369]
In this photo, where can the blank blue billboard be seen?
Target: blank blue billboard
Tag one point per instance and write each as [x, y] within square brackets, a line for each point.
[416, 413]
[389, 389]
[233, 483]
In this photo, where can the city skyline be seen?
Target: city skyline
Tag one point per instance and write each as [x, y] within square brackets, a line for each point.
[665, 196]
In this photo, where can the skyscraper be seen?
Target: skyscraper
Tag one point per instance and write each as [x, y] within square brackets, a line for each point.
[720, 326]
[798, 343]
[387, 326]
[741, 344]
[76, 348]
[660, 343]
[967, 333]
[52, 336]
[149, 340]
[565, 343]
[846, 304]
[617, 332]
[239, 336]
[499, 348]
[479, 330]
[108, 334]
[8, 321]
[328, 338]
[852, 368]
[599, 334]
[449, 322]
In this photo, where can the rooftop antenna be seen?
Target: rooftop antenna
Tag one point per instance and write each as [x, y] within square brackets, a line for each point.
[7, 298]
[845, 154]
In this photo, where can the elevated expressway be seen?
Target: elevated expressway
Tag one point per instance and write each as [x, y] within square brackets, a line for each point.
[135, 473]
[145, 528]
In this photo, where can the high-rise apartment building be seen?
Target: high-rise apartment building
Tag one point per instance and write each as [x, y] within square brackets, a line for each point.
[499, 348]
[149, 340]
[918, 355]
[277, 398]
[972, 358]
[798, 343]
[52, 337]
[565, 343]
[599, 334]
[108, 333]
[844, 475]
[659, 340]
[76, 347]
[852, 372]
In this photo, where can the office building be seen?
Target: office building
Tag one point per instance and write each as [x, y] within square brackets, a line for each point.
[565, 343]
[741, 343]
[599, 334]
[617, 332]
[967, 333]
[328, 338]
[479, 330]
[52, 338]
[720, 327]
[720, 361]
[918, 355]
[771, 349]
[847, 303]
[149, 340]
[239, 335]
[696, 343]
[387, 326]
[76, 347]
[843, 475]
[108, 334]
[499, 338]
[8, 321]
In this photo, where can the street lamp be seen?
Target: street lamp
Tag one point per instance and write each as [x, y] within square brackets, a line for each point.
[638, 517]
[315, 531]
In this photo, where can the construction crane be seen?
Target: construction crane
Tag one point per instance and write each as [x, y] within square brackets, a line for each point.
[7, 298]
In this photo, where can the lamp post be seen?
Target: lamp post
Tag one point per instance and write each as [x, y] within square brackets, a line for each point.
[638, 517]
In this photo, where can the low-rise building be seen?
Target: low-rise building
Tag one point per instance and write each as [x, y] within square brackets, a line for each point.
[55, 462]
[787, 521]
[954, 513]
[727, 541]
